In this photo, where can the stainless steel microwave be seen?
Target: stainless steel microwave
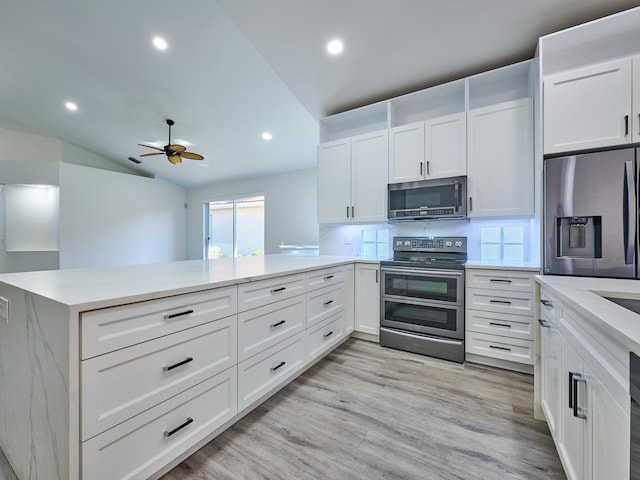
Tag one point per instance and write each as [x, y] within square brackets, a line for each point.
[442, 198]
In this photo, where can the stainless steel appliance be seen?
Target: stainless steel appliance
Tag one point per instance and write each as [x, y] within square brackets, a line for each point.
[443, 198]
[634, 389]
[422, 296]
[590, 214]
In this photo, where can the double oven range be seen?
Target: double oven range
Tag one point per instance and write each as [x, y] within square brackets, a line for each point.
[422, 296]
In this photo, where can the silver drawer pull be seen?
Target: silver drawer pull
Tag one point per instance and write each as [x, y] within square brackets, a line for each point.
[500, 324]
[499, 280]
[168, 433]
[327, 303]
[544, 323]
[501, 302]
[277, 324]
[278, 290]
[506, 349]
[280, 365]
[328, 277]
[327, 335]
[169, 316]
[546, 303]
[166, 368]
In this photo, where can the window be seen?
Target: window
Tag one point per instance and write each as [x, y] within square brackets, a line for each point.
[502, 243]
[234, 227]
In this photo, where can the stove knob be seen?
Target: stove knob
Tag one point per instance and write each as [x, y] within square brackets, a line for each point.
[458, 243]
[407, 243]
[399, 243]
[448, 243]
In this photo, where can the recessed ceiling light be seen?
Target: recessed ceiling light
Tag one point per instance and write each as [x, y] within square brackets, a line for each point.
[267, 136]
[334, 47]
[71, 106]
[160, 43]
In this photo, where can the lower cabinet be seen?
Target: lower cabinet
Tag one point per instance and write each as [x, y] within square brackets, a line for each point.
[323, 336]
[583, 395]
[367, 298]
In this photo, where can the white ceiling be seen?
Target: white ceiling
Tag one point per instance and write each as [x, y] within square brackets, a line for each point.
[236, 68]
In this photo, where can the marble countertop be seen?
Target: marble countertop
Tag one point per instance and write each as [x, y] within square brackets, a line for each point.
[584, 295]
[503, 265]
[86, 289]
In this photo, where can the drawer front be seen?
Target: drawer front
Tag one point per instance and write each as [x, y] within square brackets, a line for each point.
[325, 277]
[263, 327]
[502, 324]
[322, 337]
[122, 384]
[263, 292]
[517, 303]
[548, 309]
[509, 280]
[114, 328]
[323, 303]
[139, 447]
[511, 349]
[266, 370]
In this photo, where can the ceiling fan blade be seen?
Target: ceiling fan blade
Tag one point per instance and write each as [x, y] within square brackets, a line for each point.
[151, 154]
[176, 148]
[175, 159]
[151, 146]
[191, 156]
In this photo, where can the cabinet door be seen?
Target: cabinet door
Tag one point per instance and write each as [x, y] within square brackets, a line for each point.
[572, 429]
[635, 123]
[500, 162]
[586, 108]
[406, 153]
[349, 299]
[551, 384]
[446, 146]
[367, 311]
[334, 182]
[369, 174]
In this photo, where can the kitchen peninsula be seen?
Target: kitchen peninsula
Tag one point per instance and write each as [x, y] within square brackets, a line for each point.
[121, 372]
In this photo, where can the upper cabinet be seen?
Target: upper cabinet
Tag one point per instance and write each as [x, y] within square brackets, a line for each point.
[590, 107]
[591, 84]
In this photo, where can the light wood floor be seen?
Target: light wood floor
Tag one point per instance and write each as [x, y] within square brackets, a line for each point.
[367, 412]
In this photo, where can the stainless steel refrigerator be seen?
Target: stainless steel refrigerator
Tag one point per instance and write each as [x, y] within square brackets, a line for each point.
[590, 214]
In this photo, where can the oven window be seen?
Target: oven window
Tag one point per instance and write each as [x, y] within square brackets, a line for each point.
[422, 315]
[421, 286]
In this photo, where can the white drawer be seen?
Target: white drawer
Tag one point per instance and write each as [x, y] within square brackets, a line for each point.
[118, 385]
[503, 324]
[263, 292]
[141, 446]
[518, 303]
[510, 280]
[263, 327]
[548, 309]
[324, 302]
[325, 277]
[511, 349]
[321, 337]
[268, 369]
[110, 329]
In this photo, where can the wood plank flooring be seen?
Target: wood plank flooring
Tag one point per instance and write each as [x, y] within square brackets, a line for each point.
[368, 412]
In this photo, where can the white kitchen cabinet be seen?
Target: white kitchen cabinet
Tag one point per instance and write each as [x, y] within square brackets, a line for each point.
[550, 386]
[367, 299]
[435, 148]
[590, 107]
[352, 179]
[349, 299]
[635, 118]
[500, 159]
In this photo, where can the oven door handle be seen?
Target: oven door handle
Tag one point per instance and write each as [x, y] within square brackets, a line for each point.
[422, 271]
[431, 339]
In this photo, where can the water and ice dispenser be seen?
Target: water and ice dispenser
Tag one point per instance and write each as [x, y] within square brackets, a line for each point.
[579, 237]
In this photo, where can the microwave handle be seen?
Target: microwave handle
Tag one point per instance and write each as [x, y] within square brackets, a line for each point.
[457, 194]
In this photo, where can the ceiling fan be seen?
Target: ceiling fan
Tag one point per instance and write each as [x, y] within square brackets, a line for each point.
[174, 152]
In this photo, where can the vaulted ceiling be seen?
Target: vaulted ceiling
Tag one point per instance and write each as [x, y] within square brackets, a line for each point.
[234, 69]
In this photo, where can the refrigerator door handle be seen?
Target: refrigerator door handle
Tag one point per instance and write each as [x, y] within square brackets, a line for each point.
[629, 220]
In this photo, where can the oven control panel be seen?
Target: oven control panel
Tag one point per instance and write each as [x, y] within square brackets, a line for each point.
[430, 244]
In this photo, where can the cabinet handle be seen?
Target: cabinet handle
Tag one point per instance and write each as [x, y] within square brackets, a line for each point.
[470, 204]
[327, 303]
[179, 364]
[327, 335]
[420, 168]
[168, 433]
[639, 124]
[174, 315]
[278, 290]
[626, 125]
[277, 324]
[571, 384]
[501, 302]
[328, 277]
[281, 364]
[500, 324]
[546, 303]
[377, 276]
[506, 349]
[499, 280]
[428, 168]
[347, 211]
[544, 323]
[353, 211]
[578, 411]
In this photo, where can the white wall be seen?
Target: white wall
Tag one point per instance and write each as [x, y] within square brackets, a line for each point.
[291, 206]
[109, 218]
